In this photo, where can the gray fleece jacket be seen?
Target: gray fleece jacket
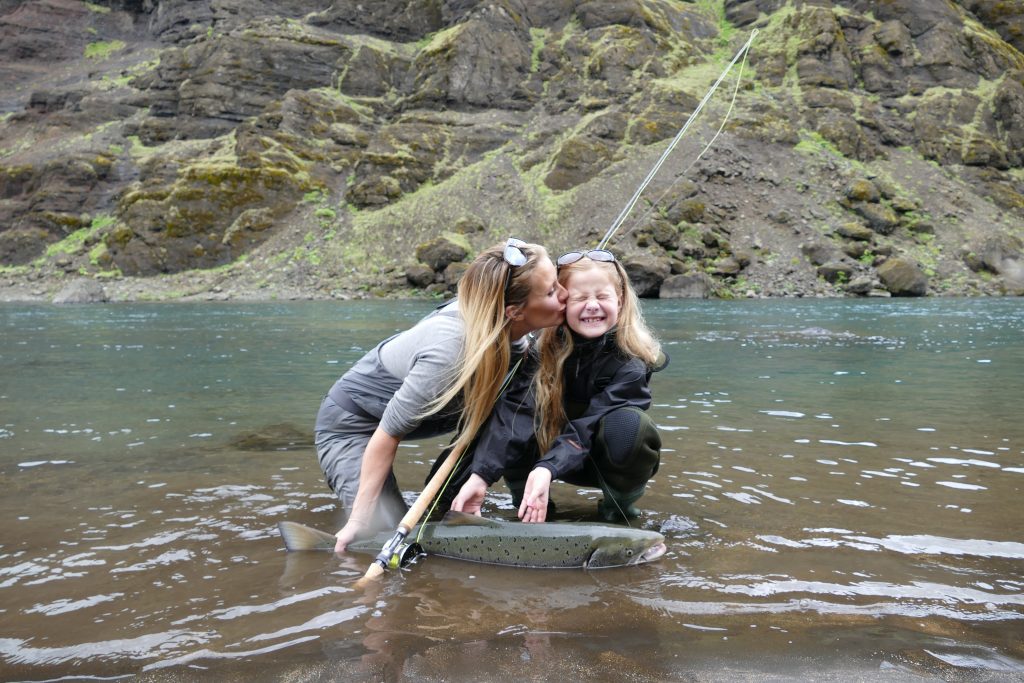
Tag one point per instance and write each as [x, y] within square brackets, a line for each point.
[398, 378]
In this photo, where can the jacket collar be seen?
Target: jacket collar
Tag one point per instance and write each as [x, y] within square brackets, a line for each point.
[582, 343]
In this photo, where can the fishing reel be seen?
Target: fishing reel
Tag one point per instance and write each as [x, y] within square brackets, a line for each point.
[404, 555]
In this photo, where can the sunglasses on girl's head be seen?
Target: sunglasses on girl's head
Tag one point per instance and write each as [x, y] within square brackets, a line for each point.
[593, 254]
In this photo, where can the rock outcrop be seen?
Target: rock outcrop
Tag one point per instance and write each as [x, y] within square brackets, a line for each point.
[323, 142]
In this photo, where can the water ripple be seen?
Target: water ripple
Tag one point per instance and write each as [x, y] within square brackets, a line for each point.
[18, 651]
[65, 605]
[210, 654]
[937, 545]
[872, 610]
[318, 622]
[246, 610]
[921, 544]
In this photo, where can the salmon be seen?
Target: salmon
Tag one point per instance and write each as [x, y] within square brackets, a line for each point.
[460, 536]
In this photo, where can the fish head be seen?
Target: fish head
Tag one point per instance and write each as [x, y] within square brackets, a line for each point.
[624, 550]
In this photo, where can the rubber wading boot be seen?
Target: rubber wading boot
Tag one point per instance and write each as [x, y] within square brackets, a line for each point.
[517, 488]
[617, 506]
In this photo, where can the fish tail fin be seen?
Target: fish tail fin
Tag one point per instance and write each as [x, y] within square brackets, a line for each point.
[300, 537]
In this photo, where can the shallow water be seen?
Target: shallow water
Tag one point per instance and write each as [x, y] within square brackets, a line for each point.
[840, 490]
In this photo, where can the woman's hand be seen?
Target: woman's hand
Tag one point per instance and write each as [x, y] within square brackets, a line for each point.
[376, 466]
[534, 507]
[348, 533]
[471, 495]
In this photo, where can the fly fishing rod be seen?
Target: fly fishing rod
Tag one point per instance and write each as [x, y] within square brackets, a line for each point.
[743, 51]
[390, 555]
[603, 244]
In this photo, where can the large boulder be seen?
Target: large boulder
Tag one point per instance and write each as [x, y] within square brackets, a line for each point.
[818, 253]
[836, 271]
[848, 135]
[646, 273]
[809, 42]
[861, 286]
[744, 12]
[420, 275]
[727, 267]
[664, 233]
[862, 190]
[881, 218]
[577, 160]
[660, 113]
[902, 277]
[855, 231]
[823, 56]
[687, 286]
[1003, 256]
[441, 251]
[997, 254]
[81, 291]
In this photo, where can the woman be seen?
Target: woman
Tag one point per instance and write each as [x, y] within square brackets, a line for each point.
[443, 373]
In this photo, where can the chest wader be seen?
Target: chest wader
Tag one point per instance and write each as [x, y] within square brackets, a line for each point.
[624, 455]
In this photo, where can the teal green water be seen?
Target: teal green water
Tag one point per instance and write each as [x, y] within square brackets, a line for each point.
[840, 489]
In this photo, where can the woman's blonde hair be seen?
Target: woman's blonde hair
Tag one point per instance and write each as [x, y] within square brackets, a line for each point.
[632, 337]
[487, 287]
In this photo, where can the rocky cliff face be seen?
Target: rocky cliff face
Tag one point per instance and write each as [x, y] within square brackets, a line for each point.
[336, 148]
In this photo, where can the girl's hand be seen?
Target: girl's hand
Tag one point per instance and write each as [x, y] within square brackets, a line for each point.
[534, 507]
[471, 495]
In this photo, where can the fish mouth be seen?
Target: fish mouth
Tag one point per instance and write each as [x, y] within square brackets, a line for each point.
[652, 553]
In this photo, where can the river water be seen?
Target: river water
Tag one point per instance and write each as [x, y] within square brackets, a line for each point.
[840, 490]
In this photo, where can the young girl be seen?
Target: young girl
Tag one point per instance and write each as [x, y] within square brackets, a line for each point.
[582, 418]
[444, 372]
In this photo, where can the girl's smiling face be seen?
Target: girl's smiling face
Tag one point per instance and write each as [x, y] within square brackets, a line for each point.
[593, 305]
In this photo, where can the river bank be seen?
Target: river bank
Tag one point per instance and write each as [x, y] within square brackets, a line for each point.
[199, 286]
[853, 157]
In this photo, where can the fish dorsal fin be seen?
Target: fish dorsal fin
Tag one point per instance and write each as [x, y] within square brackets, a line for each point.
[453, 518]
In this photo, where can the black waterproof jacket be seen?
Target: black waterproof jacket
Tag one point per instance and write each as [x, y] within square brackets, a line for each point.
[598, 378]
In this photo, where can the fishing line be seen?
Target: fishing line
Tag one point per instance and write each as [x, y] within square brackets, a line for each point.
[682, 174]
[675, 141]
[743, 52]
[440, 494]
[607, 491]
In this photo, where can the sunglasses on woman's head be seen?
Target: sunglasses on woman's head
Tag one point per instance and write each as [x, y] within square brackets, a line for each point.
[514, 257]
[513, 254]
[602, 255]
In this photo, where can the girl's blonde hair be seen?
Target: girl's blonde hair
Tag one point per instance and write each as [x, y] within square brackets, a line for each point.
[632, 337]
[483, 295]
